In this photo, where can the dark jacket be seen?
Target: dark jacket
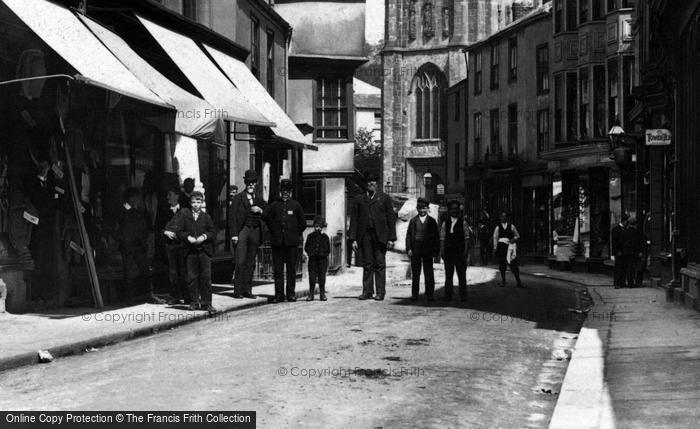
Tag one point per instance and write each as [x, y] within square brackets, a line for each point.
[184, 225]
[631, 241]
[382, 212]
[240, 212]
[163, 218]
[286, 222]
[131, 229]
[317, 245]
[431, 242]
[616, 239]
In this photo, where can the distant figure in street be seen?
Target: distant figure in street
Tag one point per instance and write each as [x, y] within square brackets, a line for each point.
[631, 251]
[186, 194]
[174, 250]
[286, 222]
[504, 235]
[372, 231]
[245, 224]
[455, 243]
[485, 236]
[619, 279]
[197, 231]
[422, 244]
[318, 247]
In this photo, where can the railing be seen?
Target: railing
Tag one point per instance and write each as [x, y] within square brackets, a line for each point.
[263, 263]
[335, 261]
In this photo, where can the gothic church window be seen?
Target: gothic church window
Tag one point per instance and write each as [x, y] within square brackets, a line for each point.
[427, 98]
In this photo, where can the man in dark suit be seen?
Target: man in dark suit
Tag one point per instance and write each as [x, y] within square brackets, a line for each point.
[197, 232]
[455, 243]
[174, 251]
[372, 231]
[285, 220]
[245, 224]
[631, 252]
[422, 244]
[616, 244]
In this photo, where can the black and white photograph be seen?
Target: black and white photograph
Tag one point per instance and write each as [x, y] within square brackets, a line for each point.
[350, 214]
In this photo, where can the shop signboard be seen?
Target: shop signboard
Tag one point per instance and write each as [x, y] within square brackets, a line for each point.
[658, 137]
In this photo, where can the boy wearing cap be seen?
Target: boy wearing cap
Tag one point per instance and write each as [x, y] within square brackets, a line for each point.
[318, 247]
[245, 224]
[455, 243]
[286, 222]
[422, 244]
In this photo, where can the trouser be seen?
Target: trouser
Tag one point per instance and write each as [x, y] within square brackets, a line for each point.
[285, 257]
[501, 253]
[317, 273]
[199, 277]
[422, 257]
[619, 271]
[630, 270]
[455, 259]
[373, 255]
[246, 249]
[485, 251]
[177, 272]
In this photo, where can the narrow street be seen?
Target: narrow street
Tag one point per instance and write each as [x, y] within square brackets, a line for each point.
[497, 361]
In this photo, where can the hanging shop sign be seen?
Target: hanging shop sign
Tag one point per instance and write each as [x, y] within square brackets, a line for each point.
[658, 137]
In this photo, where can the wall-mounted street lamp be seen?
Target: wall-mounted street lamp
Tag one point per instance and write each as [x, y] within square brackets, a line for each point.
[427, 179]
[621, 153]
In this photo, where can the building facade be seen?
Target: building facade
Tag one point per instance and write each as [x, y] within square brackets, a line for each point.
[422, 58]
[508, 116]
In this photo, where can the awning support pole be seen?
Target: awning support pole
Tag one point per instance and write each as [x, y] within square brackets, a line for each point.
[87, 247]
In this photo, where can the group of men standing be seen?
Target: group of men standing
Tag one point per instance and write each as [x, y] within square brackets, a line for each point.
[628, 245]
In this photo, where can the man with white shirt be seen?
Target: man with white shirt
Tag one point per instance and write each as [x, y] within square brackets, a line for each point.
[504, 236]
[455, 244]
[245, 224]
[422, 244]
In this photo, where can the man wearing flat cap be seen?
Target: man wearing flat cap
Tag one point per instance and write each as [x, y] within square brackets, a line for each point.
[245, 224]
[422, 244]
[455, 243]
[372, 231]
[286, 222]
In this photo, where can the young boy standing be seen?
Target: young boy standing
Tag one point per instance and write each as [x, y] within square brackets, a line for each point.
[318, 247]
[196, 230]
[422, 244]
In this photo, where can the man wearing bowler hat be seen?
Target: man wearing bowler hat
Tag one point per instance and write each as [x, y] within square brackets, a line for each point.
[286, 222]
[372, 231]
[245, 224]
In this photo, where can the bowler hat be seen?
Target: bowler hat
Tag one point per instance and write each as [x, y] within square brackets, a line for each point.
[371, 175]
[250, 176]
[422, 202]
[320, 220]
[286, 185]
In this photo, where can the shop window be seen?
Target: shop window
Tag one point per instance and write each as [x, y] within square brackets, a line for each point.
[255, 47]
[572, 107]
[331, 121]
[571, 15]
[512, 129]
[311, 199]
[428, 89]
[558, 15]
[494, 66]
[584, 94]
[582, 11]
[270, 73]
[477, 73]
[599, 128]
[495, 143]
[558, 108]
[613, 89]
[512, 59]
[477, 136]
[542, 69]
[542, 130]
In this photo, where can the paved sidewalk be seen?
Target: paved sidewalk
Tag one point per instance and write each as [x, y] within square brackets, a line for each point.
[636, 364]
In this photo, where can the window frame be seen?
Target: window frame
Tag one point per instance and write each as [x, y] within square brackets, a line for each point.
[542, 130]
[571, 15]
[542, 68]
[558, 16]
[478, 72]
[494, 131]
[512, 128]
[255, 46]
[319, 199]
[495, 65]
[512, 59]
[583, 9]
[270, 54]
[477, 135]
[342, 109]
[428, 101]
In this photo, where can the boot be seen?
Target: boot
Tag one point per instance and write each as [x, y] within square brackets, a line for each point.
[311, 293]
[323, 292]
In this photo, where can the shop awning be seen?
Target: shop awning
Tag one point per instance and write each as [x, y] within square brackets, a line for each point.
[191, 119]
[253, 90]
[59, 28]
[228, 101]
